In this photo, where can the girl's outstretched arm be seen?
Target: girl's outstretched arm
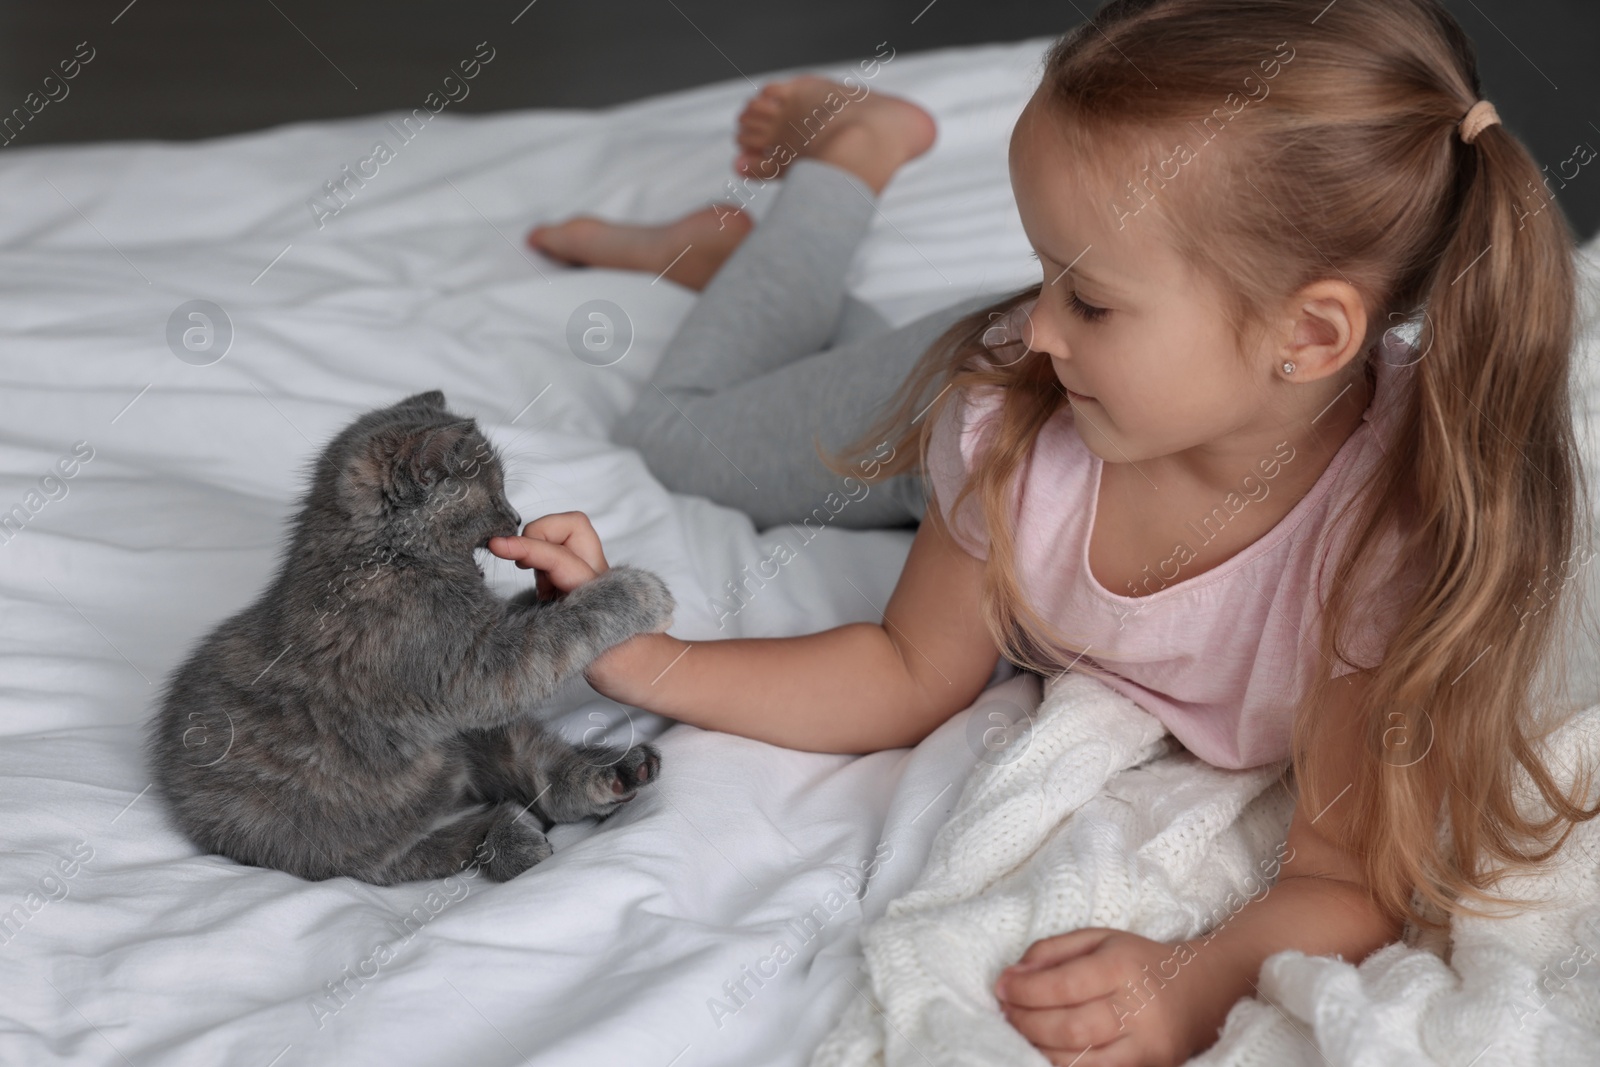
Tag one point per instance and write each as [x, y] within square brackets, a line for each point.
[1134, 1000]
[855, 688]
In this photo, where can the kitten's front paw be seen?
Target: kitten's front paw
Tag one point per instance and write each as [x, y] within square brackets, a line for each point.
[648, 601]
[512, 845]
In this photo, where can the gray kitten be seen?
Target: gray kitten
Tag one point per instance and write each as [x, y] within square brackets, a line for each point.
[369, 715]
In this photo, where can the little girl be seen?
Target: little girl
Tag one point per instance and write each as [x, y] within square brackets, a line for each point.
[1280, 447]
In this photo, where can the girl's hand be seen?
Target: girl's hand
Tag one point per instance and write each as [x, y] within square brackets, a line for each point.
[563, 548]
[1097, 997]
[566, 552]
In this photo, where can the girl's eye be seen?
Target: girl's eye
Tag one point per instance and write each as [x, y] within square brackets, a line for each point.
[1086, 312]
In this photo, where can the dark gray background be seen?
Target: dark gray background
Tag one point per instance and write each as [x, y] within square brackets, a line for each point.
[196, 68]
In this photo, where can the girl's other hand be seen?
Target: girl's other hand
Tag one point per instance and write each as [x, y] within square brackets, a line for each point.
[563, 548]
[1097, 998]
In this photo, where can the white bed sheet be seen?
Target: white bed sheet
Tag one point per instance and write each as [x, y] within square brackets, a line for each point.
[615, 950]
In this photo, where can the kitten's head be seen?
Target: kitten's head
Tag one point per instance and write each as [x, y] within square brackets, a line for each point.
[417, 477]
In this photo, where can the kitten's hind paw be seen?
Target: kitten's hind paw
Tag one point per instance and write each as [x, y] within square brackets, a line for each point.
[640, 766]
[616, 775]
[513, 844]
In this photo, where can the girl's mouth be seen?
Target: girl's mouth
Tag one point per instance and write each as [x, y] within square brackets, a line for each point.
[1077, 396]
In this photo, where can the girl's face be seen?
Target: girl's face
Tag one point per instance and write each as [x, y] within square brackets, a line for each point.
[1140, 342]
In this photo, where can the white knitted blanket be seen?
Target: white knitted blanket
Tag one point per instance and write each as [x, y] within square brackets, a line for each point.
[1098, 818]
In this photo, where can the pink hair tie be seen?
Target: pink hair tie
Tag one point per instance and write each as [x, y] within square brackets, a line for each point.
[1478, 117]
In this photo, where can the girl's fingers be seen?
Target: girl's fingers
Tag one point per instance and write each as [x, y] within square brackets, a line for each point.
[1120, 1053]
[1052, 950]
[1075, 981]
[511, 548]
[524, 550]
[573, 531]
[564, 569]
[1096, 1023]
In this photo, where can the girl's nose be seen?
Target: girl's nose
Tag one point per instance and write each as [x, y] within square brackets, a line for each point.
[1043, 338]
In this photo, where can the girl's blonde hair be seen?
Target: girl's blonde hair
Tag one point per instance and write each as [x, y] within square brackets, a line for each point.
[1349, 164]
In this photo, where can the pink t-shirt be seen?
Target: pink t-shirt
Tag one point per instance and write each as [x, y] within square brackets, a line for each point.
[1221, 657]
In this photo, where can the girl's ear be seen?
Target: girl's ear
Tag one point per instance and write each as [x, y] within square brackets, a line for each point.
[1327, 325]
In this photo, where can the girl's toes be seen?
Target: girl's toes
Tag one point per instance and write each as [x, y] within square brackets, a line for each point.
[558, 241]
[754, 137]
[756, 115]
[763, 103]
[765, 106]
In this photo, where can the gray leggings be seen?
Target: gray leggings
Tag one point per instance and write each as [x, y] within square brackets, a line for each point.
[773, 352]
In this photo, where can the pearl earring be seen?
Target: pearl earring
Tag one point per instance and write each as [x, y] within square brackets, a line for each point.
[1288, 366]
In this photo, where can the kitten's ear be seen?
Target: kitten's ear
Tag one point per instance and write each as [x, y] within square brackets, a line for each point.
[433, 400]
[427, 457]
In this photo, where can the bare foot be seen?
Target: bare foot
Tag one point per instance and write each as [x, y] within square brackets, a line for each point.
[688, 251]
[869, 134]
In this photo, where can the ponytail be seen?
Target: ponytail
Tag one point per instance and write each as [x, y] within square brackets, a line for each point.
[1487, 467]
